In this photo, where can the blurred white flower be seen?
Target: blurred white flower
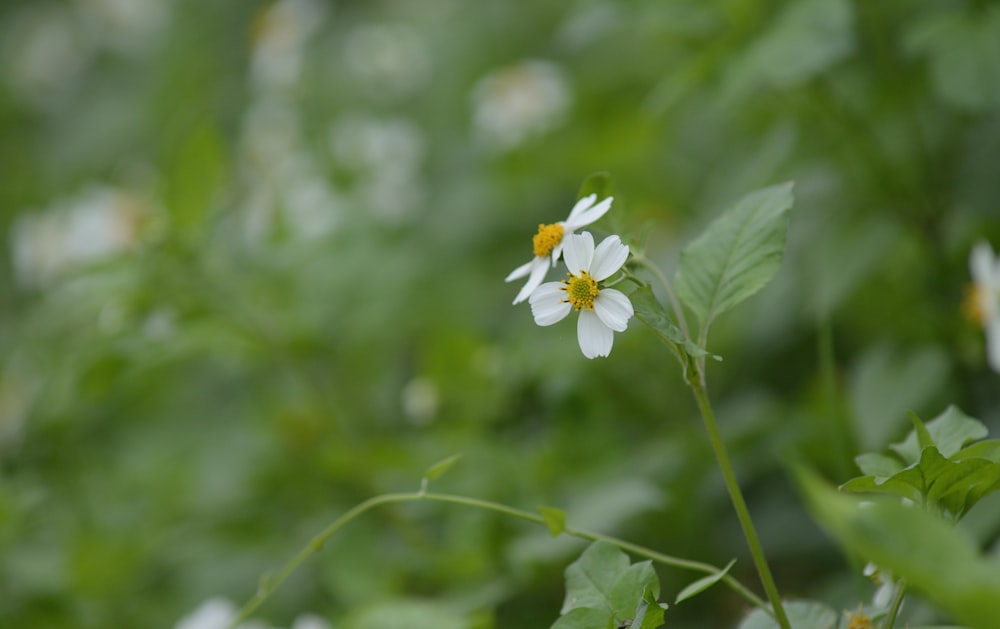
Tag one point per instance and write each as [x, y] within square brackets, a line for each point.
[603, 311]
[887, 586]
[519, 101]
[420, 401]
[280, 35]
[362, 142]
[982, 301]
[310, 621]
[99, 223]
[548, 243]
[391, 58]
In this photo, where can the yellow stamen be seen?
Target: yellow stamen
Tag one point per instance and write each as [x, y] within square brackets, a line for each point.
[974, 304]
[858, 620]
[547, 238]
[581, 290]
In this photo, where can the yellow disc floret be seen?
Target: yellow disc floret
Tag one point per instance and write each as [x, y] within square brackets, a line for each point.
[581, 290]
[547, 238]
[859, 621]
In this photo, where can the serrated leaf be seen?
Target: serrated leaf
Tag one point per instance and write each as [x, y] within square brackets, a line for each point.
[555, 519]
[890, 486]
[702, 584]
[949, 431]
[599, 183]
[937, 559]
[590, 578]
[583, 618]
[737, 255]
[875, 464]
[631, 587]
[442, 466]
[801, 615]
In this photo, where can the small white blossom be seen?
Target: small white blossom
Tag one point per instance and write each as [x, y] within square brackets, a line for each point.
[603, 311]
[548, 243]
[982, 303]
[518, 102]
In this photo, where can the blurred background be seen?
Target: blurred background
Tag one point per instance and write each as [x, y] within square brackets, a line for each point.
[251, 274]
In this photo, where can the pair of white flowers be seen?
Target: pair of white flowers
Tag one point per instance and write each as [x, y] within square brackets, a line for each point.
[603, 311]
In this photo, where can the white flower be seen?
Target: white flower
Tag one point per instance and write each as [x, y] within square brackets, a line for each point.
[548, 243]
[518, 102]
[982, 302]
[603, 311]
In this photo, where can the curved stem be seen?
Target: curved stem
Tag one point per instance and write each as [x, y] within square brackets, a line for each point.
[268, 585]
[647, 264]
[897, 602]
[742, 513]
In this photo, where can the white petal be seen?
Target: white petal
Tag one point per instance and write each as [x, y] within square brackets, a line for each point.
[613, 308]
[581, 205]
[578, 251]
[590, 216]
[595, 338]
[993, 343]
[981, 263]
[609, 256]
[539, 267]
[548, 303]
[519, 272]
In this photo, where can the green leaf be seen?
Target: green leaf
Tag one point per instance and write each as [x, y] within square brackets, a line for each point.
[599, 183]
[649, 310]
[590, 579]
[737, 255]
[962, 47]
[631, 587]
[949, 431]
[989, 449]
[584, 618]
[442, 466]
[703, 584]
[938, 560]
[194, 178]
[924, 439]
[555, 519]
[801, 615]
[876, 464]
[648, 614]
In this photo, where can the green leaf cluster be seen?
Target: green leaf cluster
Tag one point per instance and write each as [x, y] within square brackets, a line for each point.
[604, 590]
[933, 467]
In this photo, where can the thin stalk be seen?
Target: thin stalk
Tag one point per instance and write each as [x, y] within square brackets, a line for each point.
[742, 513]
[897, 602]
[645, 262]
[269, 584]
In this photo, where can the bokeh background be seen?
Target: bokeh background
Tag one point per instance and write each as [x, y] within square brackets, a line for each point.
[251, 274]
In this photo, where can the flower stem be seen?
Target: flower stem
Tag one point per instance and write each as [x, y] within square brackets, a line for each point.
[897, 602]
[268, 585]
[742, 513]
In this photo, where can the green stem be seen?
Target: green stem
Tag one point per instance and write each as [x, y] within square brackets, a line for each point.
[268, 585]
[756, 551]
[647, 264]
[897, 602]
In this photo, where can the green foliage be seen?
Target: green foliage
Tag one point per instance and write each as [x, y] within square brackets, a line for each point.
[603, 589]
[940, 561]
[737, 255]
[555, 519]
[939, 473]
[802, 615]
[699, 586]
[600, 184]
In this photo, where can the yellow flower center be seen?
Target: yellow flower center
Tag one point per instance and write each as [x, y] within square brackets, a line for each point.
[859, 621]
[581, 290]
[546, 239]
[974, 305]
